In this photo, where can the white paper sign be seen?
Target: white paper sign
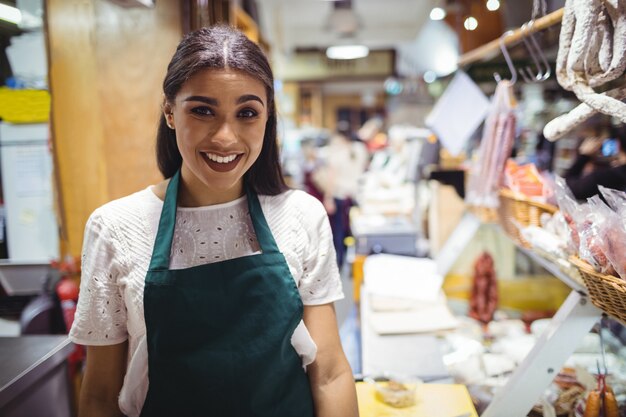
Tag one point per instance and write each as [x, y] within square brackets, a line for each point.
[457, 114]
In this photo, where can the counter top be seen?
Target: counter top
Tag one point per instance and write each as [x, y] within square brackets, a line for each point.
[24, 360]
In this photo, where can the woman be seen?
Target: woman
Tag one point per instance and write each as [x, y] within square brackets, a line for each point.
[192, 290]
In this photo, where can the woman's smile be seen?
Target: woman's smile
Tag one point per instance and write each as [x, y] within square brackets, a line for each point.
[221, 163]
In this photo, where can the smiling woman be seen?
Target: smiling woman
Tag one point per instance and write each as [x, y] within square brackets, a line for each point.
[211, 292]
[219, 138]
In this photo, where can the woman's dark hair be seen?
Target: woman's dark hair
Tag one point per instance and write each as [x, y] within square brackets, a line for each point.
[222, 47]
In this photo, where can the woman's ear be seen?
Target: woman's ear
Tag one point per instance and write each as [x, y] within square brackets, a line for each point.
[168, 114]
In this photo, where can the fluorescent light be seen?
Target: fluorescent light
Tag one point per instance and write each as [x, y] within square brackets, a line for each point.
[347, 51]
[437, 13]
[470, 23]
[493, 5]
[10, 14]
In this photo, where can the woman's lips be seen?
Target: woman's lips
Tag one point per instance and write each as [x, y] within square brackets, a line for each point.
[219, 163]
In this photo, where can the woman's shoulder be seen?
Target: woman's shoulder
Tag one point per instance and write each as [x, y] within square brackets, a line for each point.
[293, 199]
[294, 205]
[126, 208]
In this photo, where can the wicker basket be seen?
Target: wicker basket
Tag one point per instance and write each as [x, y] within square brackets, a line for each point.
[518, 211]
[607, 292]
[484, 214]
[565, 265]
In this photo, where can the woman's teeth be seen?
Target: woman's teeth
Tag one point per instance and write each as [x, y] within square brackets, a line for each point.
[221, 159]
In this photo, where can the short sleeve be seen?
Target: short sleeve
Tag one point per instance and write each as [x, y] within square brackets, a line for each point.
[101, 313]
[320, 282]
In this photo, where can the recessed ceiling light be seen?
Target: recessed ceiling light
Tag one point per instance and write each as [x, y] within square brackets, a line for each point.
[437, 13]
[470, 23]
[493, 5]
[430, 77]
[347, 51]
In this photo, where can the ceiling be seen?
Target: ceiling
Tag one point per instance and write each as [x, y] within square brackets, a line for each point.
[402, 25]
[305, 24]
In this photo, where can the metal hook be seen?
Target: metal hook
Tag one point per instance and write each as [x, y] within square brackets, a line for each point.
[526, 72]
[507, 58]
[547, 70]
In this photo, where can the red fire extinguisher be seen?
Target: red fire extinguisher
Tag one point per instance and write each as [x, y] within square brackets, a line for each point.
[67, 291]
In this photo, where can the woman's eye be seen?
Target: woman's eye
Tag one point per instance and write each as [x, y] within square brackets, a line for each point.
[246, 113]
[202, 110]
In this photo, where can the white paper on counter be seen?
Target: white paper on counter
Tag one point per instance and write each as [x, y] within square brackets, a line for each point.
[430, 318]
[402, 277]
[457, 114]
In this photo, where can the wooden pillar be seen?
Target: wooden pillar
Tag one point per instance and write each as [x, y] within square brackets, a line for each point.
[107, 64]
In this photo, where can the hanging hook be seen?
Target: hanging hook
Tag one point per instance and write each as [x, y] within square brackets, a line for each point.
[507, 58]
[547, 70]
[526, 72]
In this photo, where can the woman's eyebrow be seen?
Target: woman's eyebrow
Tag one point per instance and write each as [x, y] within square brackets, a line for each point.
[203, 99]
[248, 97]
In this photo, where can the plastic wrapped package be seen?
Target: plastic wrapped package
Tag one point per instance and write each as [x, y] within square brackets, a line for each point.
[611, 237]
[570, 209]
[591, 224]
[615, 199]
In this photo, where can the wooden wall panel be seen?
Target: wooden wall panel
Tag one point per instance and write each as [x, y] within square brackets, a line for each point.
[133, 48]
[106, 68]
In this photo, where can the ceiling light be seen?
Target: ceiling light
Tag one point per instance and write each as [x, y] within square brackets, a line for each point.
[347, 51]
[430, 77]
[10, 14]
[493, 5]
[470, 23]
[437, 13]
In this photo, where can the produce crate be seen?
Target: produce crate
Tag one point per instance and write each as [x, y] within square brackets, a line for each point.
[517, 211]
[607, 292]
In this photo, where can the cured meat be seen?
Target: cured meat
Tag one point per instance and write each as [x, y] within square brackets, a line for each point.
[487, 172]
[592, 52]
[484, 295]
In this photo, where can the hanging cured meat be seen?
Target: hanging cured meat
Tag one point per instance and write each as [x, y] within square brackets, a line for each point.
[484, 295]
[487, 173]
[592, 52]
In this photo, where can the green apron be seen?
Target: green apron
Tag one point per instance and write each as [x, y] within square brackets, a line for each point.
[219, 335]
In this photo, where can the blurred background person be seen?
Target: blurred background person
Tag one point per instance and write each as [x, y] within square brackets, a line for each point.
[344, 160]
[601, 161]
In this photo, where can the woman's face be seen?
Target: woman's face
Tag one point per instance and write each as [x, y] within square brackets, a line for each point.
[219, 117]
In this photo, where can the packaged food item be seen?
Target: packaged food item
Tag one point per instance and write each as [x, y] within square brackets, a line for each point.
[395, 391]
[615, 199]
[610, 238]
[569, 207]
[591, 232]
[526, 180]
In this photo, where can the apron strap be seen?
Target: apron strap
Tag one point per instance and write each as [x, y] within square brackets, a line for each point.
[163, 243]
[261, 228]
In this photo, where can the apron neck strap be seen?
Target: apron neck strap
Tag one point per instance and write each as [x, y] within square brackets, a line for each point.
[163, 242]
[261, 228]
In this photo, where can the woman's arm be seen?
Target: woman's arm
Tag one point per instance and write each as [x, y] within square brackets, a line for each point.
[104, 375]
[332, 383]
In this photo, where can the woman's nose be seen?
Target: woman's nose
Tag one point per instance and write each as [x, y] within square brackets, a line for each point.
[225, 134]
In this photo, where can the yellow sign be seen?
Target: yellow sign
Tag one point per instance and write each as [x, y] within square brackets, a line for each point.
[24, 106]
